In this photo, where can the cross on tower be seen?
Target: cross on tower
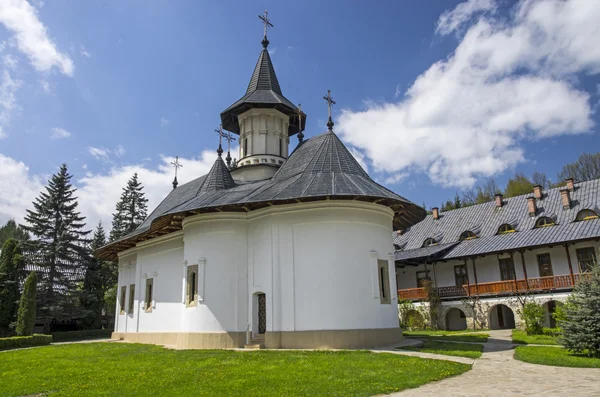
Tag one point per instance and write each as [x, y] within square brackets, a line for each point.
[228, 137]
[300, 134]
[268, 24]
[177, 166]
[221, 135]
[330, 103]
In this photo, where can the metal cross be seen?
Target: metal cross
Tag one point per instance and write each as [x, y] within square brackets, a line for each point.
[228, 137]
[266, 21]
[330, 102]
[177, 166]
[221, 136]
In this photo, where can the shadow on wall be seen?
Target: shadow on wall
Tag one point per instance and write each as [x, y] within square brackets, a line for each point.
[501, 317]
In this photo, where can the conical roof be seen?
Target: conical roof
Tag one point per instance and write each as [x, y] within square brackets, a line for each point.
[217, 178]
[263, 92]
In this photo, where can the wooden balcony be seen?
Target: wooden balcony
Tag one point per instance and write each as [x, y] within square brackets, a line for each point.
[497, 288]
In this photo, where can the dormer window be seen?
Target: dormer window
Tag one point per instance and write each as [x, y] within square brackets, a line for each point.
[505, 229]
[429, 242]
[467, 235]
[544, 222]
[586, 215]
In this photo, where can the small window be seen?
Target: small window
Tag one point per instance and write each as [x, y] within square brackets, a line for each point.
[423, 278]
[245, 147]
[131, 298]
[123, 298]
[505, 229]
[544, 222]
[467, 235]
[507, 269]
[192, 286]
[429, 242]
[586, 257]
[460, 275]
[545, 265]
[384, 281]
[586, 215]
[149, 295]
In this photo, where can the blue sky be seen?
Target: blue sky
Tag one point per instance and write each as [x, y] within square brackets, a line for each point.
[431, 96]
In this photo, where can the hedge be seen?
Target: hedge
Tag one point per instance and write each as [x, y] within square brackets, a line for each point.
[81, 335]
[16, 342]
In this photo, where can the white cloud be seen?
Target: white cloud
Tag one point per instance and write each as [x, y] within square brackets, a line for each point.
[17, 189]
[10, 62]
[45, 86]
[164, 122]
[452, 20]
[272, 51]
[119, 151]
[8, 103]
[99, 153]
[84, 52]
[32, 37]
[59, 133]
[2, 134]
[507, 82]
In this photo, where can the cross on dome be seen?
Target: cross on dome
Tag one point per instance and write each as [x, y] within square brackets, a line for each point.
[299, 113]
[228, 137]
[330, 102]
[177, 166]
[221, 136]
[268, 24]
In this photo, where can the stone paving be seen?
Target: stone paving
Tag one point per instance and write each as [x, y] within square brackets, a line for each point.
[496, 373]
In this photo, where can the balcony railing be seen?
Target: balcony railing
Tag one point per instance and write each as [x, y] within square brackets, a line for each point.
[496, 288]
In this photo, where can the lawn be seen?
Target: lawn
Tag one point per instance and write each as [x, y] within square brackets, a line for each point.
[556, 356]
[520, 336]
[455, 336]
[120, 369]
[470, 350]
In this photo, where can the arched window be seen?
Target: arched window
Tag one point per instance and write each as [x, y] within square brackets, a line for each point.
[586, 215]
[506, 228]
[467, 235]
[429, 242]
[544, 222]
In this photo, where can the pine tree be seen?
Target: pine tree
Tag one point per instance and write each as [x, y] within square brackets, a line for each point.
[60, 244]
[92, 294]
[10, 275]
[27, 306]
[14, 231]
[131, 209]
[580, 322]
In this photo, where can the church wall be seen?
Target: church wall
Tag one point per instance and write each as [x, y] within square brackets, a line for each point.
[218, 242]
[126, 277]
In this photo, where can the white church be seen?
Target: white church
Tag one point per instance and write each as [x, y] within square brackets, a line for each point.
[281, 250]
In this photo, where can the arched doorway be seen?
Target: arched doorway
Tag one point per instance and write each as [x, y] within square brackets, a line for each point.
[501, 317]
[549, 309]
[456, 320]
[259, 313]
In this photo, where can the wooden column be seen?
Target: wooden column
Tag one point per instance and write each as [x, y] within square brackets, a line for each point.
[468, 283]
[570, 265]
[514, 271]
[522, 252]
[475, 276]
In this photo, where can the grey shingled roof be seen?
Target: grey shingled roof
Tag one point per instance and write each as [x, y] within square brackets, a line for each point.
[423, 254]
[485, 219]
[263, 91]
[320, 167]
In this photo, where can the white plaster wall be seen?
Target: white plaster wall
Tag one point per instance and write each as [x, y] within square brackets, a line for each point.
[126, 277]
[264, 128]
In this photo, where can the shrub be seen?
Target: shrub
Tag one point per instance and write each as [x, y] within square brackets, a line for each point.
[27, 307]
[16, 342]
[533, 314]
[80, 335]
[551, 331]
[581, 323]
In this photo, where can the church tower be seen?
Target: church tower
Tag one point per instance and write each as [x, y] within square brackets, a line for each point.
[264, 119]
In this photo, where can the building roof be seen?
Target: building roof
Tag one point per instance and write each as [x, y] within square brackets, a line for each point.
[319, 168]
[263, 92]
[485, 219]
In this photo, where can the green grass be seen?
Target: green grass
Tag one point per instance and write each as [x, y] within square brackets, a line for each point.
[455, 336]
[119, 369]
[556, 356]
[520, 336]
[469, 350]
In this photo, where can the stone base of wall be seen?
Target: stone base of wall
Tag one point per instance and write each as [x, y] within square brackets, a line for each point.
[336, 339]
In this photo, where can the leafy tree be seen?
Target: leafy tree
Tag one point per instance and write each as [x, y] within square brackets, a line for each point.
[533, 314]
[27, 306]
[518, 185]
[11, 266]
[131, 209]
[60, 244]
[540, 178]
[14, 231]
[457, 201]
[92, 294]
[581, 316]
[585, 168]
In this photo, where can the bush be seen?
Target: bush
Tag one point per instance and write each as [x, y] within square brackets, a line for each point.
[581, 323]
[27, 307]
[25, 341]
[551, 331]
[80, 335]
[533, 314]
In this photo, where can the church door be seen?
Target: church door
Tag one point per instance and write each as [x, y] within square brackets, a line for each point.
[262, 313]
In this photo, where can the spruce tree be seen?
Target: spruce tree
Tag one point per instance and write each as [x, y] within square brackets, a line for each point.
[11, 264]
[580, 321]
[92, 294]
[131, 209]
[27, 306]
[61, 247]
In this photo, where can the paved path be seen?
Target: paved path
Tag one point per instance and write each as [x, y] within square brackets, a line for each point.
[496, 373]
